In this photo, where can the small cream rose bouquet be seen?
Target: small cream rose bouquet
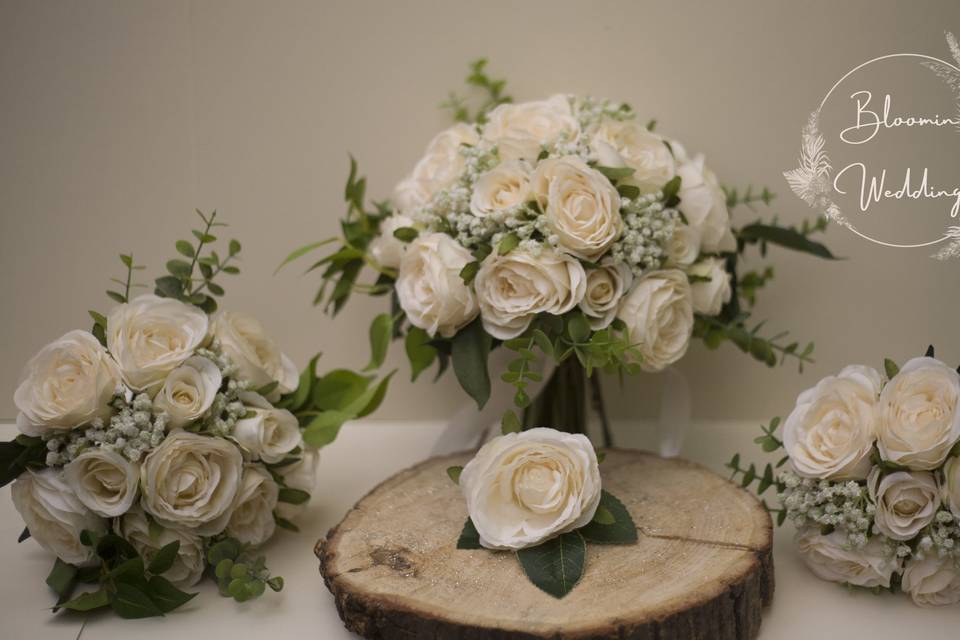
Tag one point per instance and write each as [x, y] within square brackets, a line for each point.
[163, 445]
[537, 494]
[871, 478]
[562, 229]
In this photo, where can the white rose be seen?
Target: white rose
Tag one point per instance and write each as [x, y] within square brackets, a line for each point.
[104, 481]
[301, 475]
[932, 581]
[440, 166]
[950, 491]
[258, 360]
[919, 419]
[515, 287]
[504, 187]
[580, 204]
[151, 336]
[906, 501]
[658, 313]
[604, 289]
[705, 206]
[643, 151]
[189, 391]
[251, 520]
[67, 384]
[709, 296]
[520, 130]
[524, 488]
[831, 430]
[187, 568]
[684, 245]
[191, 480]
[830, 557]
[54, 515]
[430, 289]
[269, 434]
[386, 249]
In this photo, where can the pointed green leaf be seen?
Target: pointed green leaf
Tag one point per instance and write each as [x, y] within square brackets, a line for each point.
[164, 558]
[621, 531]
[556, 565]
[88, 601]
[131, 603]
[62, 577]
[381, 331]
[891, 368]
[471, 347]
[454, 473]
[469, 538]
[510, 423]
[166, 596]
[184, 248]
[419, 351]
[304, 250]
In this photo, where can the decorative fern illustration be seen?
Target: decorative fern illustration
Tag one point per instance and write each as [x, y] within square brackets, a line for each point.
[811, 180]
[949, 74]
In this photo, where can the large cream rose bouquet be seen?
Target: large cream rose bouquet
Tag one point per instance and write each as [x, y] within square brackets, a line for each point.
[163, 445]
[870, 476]
[564, 230]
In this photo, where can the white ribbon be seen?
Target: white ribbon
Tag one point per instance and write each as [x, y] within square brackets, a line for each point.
[469, 426]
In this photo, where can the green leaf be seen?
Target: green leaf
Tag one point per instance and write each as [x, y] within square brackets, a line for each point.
[268, 388]
[615, 173]
[116, 297]
[225, 549]
[419, 351]
[283, 523]
[784, 237]
[179, 268]
[508, 243]
[308, 378]
[164, 558]
[166, 596]
[234, 247]
[510, 423]
[131, 603]
[469, 538]
[405, 234]
[603, 516]
[62, 578]
[275, 583]
[304, 250]
[621, 531]
[891, 368]
[628, 191]
[293, 496]
[169, 287]
[381, 330]
[454, 473]
[671, 189]
[556, 565]
[184, 248]
[375, 399]
[578, 328]
[470, 349]
[324, 428]
[338, 389]
[88, 601]
[469, 272]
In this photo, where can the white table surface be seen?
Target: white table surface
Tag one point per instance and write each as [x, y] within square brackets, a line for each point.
[368, 452]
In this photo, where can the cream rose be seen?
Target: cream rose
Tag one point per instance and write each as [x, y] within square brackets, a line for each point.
[191, 481]
[386, 249]
[830, 558]
[605, 287]
[950, 490]
[710, 295]
[515, 287]
[831, 430]
[932, 581]
[440, 166]
[630, 143]
[189, 391]
[269, 434]
[430, 289]
[504, 187]
[187, 568]
[581, 206]
[919, 419]
[258, 360]
[523, 488]
[104, 481]
[704, 204]
[658, 313]
[521, 130]
[251, 520]
[67, 384]
[301, 475]
[151, 336]
[54, 515]
[684, 246]
[906, 501]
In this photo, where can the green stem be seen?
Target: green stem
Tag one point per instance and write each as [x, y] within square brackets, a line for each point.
[561, 403]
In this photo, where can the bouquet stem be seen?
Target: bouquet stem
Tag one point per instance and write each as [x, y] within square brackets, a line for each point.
[563, 405]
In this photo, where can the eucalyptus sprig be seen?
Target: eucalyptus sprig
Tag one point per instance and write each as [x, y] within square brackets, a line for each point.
[240, 575]
[492, 91]
[767, 478]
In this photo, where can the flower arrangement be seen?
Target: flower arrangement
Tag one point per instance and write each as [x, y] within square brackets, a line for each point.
[538, 494]
[163, 445]
[871, 478]
[563, 229]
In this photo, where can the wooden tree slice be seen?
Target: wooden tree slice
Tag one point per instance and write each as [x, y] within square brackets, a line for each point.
[702, 568]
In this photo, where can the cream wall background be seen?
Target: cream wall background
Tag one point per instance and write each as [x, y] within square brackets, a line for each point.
[117, 119]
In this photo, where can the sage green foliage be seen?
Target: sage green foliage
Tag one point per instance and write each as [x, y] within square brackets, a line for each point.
[121, 580]
[769, 442]
[491, 94]
[240, 575]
